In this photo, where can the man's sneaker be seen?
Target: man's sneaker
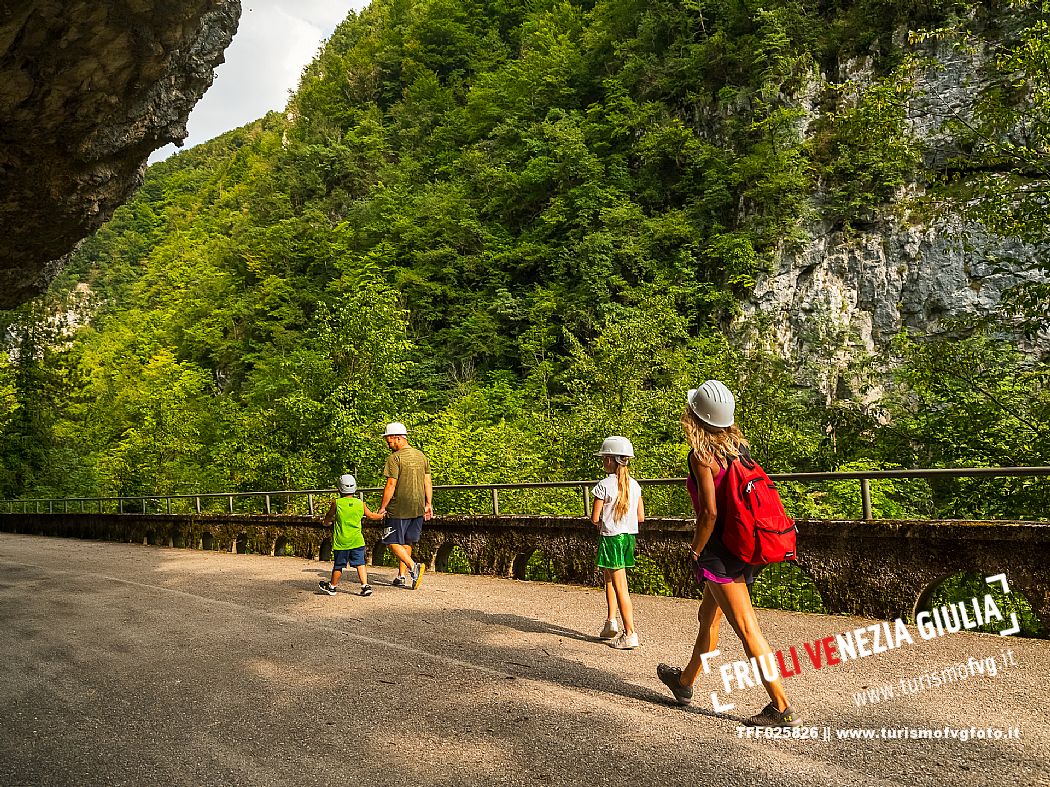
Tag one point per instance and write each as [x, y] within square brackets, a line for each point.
[417, 574]
[366, 590]
[625, 641]
[669, 676]
[771, 717]
[326, 587]
[399, 581]
[610, 629]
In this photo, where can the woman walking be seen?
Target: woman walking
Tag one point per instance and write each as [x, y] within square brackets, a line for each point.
[715, 441]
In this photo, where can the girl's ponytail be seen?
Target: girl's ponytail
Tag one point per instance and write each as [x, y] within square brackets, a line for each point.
[623, 489]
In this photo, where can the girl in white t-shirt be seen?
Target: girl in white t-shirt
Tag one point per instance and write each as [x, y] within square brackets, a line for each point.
[617, 511]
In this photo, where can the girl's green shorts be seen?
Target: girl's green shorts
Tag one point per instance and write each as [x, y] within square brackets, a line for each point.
[616, 551]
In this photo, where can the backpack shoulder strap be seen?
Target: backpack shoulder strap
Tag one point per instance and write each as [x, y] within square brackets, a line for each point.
[746, 459]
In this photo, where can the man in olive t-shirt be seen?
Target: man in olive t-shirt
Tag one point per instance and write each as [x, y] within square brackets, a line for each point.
[406, 500]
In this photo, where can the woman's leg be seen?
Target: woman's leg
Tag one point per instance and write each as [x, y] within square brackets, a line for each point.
[619, 584]
[710, 617]
[735, 603]
[610, 594]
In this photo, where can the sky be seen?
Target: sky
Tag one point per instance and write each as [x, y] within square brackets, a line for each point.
[276, 39]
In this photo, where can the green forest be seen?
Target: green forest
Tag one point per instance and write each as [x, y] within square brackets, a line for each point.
[520, 227]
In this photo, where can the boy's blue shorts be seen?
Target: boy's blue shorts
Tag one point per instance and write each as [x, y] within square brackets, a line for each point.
[348, 557]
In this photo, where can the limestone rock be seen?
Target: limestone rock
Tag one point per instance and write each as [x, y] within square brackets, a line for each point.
[842, 296]
[87, 91]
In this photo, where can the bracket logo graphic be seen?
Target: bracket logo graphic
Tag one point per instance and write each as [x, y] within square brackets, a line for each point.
[1001, 579]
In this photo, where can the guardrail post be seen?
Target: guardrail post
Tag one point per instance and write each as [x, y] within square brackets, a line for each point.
[50, 506]
[168, 504]
[495, 501]
[865, 499]
[197, 503]
[81, 506]
[230, 507]
[310, 502]
[267, 504]
[145, 501]
[586, 502]
[65, 506]
[120, 504]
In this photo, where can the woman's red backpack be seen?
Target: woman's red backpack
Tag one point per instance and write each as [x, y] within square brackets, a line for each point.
[755, 526]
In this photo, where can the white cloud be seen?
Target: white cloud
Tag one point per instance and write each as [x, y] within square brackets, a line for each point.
[276, 39]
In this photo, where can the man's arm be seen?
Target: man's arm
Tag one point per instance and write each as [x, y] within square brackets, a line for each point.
[428, 496]
[388, 493]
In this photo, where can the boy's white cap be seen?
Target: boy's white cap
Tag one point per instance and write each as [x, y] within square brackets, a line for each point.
[347, 484]
[395, 428]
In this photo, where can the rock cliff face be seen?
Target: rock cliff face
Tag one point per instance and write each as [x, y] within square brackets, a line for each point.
[844, 295]
[88, 90]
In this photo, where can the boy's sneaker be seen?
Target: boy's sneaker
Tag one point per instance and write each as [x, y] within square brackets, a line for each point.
[366, 590]
[610, 629]
[771, 717]
[669, 676]
[417, 574]
[625, 641]
[326, 587]
[398, 581]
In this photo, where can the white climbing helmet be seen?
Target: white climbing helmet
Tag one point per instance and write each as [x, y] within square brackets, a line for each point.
[713, 403]
[394, 429]
[616, 446]
[347, 484]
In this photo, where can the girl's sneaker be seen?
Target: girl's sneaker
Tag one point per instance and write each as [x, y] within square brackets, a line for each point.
[669, 676]
[625, 641]
[326, 587]
[771, 717]
[366, 590]
[398, 581]
[610, 629]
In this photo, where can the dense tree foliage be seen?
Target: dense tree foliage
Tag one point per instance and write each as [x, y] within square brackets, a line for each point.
[518, 227]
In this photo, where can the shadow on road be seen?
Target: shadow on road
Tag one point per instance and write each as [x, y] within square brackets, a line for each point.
[567, 672]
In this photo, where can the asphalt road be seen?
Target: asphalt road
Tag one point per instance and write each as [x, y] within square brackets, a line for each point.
[133, 665]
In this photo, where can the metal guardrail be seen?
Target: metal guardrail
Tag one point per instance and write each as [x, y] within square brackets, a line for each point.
[122, 502]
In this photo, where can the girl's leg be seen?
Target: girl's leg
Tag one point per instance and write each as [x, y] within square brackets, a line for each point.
[735, 603]
[710, 618]
[619, 585]
[336, 573]
[610, 594]
[362, 574]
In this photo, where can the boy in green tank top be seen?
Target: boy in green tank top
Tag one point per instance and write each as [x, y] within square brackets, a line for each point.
[348, 542]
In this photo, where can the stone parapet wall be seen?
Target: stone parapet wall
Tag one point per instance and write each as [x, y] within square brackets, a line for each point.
[881, 569]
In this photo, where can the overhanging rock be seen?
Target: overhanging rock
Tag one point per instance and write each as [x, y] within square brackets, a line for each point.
[88, 90]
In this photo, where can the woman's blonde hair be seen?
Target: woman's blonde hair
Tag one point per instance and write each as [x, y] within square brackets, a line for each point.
[712, 442]
[623, 489]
